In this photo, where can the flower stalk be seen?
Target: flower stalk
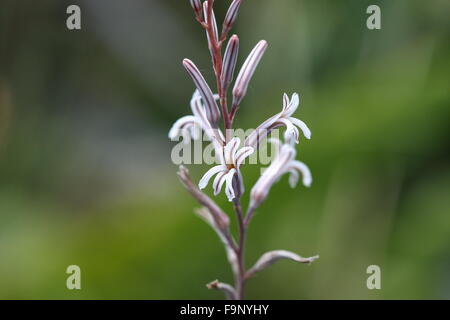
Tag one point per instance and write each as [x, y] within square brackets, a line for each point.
[207, 110]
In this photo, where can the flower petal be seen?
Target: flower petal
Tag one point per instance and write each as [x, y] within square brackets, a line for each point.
[241, 155]
[291, 133]
[179, 124]
[285, 101]
[229, 191]
[230, 150]
[218, 182]
[303, 168]
[293, 105]
[209, 174]
[302, 126]
[293, 177]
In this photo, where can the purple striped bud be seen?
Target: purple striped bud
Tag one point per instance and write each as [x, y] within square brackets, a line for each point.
[214, 26]
[247, 71]
[212, 110]
[197, 6]
[231, 16]
[229, 62]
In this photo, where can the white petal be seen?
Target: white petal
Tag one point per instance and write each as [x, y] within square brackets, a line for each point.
[230, 150]
[291, 131]
[218, 182]
[229, 186]
[293, 105]
[195, 131]
[285, 101]
[302, 126]
[209, 174]
[186, 134]
[293, 178]
[241, 155]
[276, 142]
[303, 168]
[179, 124]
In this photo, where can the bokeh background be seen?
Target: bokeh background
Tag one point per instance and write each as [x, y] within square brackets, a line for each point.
[85, 170]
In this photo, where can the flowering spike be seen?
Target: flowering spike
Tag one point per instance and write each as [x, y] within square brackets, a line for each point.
[230, 17]
[229, 62]
[212, 110]
[247, 71]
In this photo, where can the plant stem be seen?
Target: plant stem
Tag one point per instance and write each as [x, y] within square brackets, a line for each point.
[240, 277]
[216, 47]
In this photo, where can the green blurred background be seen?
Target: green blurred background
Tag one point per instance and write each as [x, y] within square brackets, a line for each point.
[85, 170]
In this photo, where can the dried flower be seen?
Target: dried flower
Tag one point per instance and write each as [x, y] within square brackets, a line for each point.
[228, 170]
[247, 71]
[284, 118]
[226, 288]
[269, 258]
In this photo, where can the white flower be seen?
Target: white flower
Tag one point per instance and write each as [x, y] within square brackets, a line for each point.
[191, 126]
[284, 162]
[228, 171]
[284, 118]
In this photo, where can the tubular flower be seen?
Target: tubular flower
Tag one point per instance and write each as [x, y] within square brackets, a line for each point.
[284, 118]
[228, 171]
[284, 162]
[191, 126]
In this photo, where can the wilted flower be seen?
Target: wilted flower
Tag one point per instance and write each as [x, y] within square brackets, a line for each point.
[284, 118]
[228, 171]
[269, 258]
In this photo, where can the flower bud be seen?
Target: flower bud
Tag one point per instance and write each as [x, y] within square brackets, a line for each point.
[197, 6]
[231, 16]
[212, 110]
[214, 26]
[229, 62]
[247, 71]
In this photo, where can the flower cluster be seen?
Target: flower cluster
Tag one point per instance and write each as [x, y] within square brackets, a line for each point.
[208, 109]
